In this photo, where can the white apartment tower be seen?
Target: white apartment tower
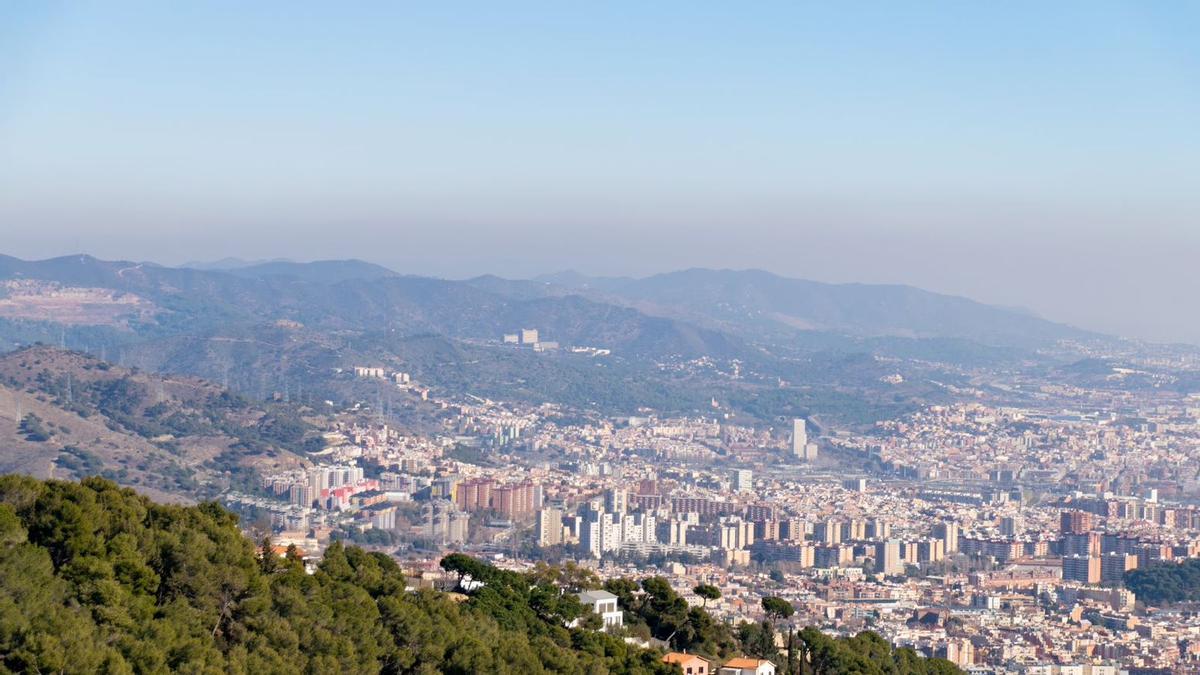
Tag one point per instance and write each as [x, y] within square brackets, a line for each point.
[550, 527]
[801, 448]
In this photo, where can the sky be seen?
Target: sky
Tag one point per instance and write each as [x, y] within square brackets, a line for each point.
[1031, 154]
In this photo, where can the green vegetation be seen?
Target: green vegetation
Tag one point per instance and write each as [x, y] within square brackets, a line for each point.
[777, 608]
[1166, 582]
[659, 612]
[865, 653]
[707, 592]
[815, 653]
[97, 579]
[34, 429]
[80, 462]
[129, 404]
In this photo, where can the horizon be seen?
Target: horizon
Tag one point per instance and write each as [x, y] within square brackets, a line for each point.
[235, 263]
[1024, 156]
[377, 337]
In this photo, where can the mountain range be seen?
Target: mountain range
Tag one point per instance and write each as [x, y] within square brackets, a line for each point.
[759, 303]
[266, 327]
[752, 304]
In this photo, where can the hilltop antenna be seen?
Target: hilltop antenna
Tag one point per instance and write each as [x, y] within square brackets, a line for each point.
[62, 338]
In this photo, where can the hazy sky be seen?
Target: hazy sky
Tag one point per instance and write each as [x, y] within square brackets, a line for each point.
[1041, 154]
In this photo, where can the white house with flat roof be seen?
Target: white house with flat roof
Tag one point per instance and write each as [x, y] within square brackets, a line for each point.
[604, 604]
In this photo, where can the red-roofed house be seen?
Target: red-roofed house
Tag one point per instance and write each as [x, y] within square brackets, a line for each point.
[690, 664]
[744, 666]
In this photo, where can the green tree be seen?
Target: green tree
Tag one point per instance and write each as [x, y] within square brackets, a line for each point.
[707, 592]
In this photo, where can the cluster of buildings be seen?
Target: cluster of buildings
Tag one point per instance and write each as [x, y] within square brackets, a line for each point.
[512, 501]
[997, 533]
[528, 338]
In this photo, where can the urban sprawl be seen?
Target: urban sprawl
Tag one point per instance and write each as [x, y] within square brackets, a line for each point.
[998, 534]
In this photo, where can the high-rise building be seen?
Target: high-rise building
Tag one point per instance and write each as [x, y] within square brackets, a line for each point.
[1086, 543]
[673, 531]
[616, 500]
[793, 530]
[1114, 566]
[1009, 526]
[743, 480]
[801, 447]
[591, 532]
[887, 557]
[1082, 568]
[948, 533]
[766, 530]
[855, 484]
[736, 533]
[854, 530]
[1075, 522]
[457, 527]
[514, 501]
[799, 437]
[827, 532]
[829, 556]
[550, 527]
[878, 528]
[475, 494]
[930, 550]
[529, 336]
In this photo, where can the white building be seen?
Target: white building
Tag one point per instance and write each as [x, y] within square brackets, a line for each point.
[801, 448]
[604, 604]
[745, 666]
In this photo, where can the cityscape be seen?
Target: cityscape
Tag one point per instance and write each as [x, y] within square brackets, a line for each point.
[673, 338]
[999, 534]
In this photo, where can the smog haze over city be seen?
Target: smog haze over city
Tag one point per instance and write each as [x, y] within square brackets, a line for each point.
[797, 338]
[1018, 154]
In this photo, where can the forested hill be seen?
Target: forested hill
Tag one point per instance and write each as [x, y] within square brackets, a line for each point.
[98, 579]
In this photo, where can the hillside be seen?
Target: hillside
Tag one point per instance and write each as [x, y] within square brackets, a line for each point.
[94, 578]
[65, 414]
[286, 327]
[750, 302]
[124, 302]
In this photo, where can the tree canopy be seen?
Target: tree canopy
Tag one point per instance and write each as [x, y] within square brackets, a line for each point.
[1166, 582]
[98, 579]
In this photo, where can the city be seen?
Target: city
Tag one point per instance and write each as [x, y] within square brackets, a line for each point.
[998, 534]
[671, 338]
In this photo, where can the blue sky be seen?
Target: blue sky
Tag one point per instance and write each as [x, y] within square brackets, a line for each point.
[1036, 154]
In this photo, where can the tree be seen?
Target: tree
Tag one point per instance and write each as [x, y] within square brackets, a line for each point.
[96, 578]
[267, 556]
[464, 566]
[778, 609]
[707, 592]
